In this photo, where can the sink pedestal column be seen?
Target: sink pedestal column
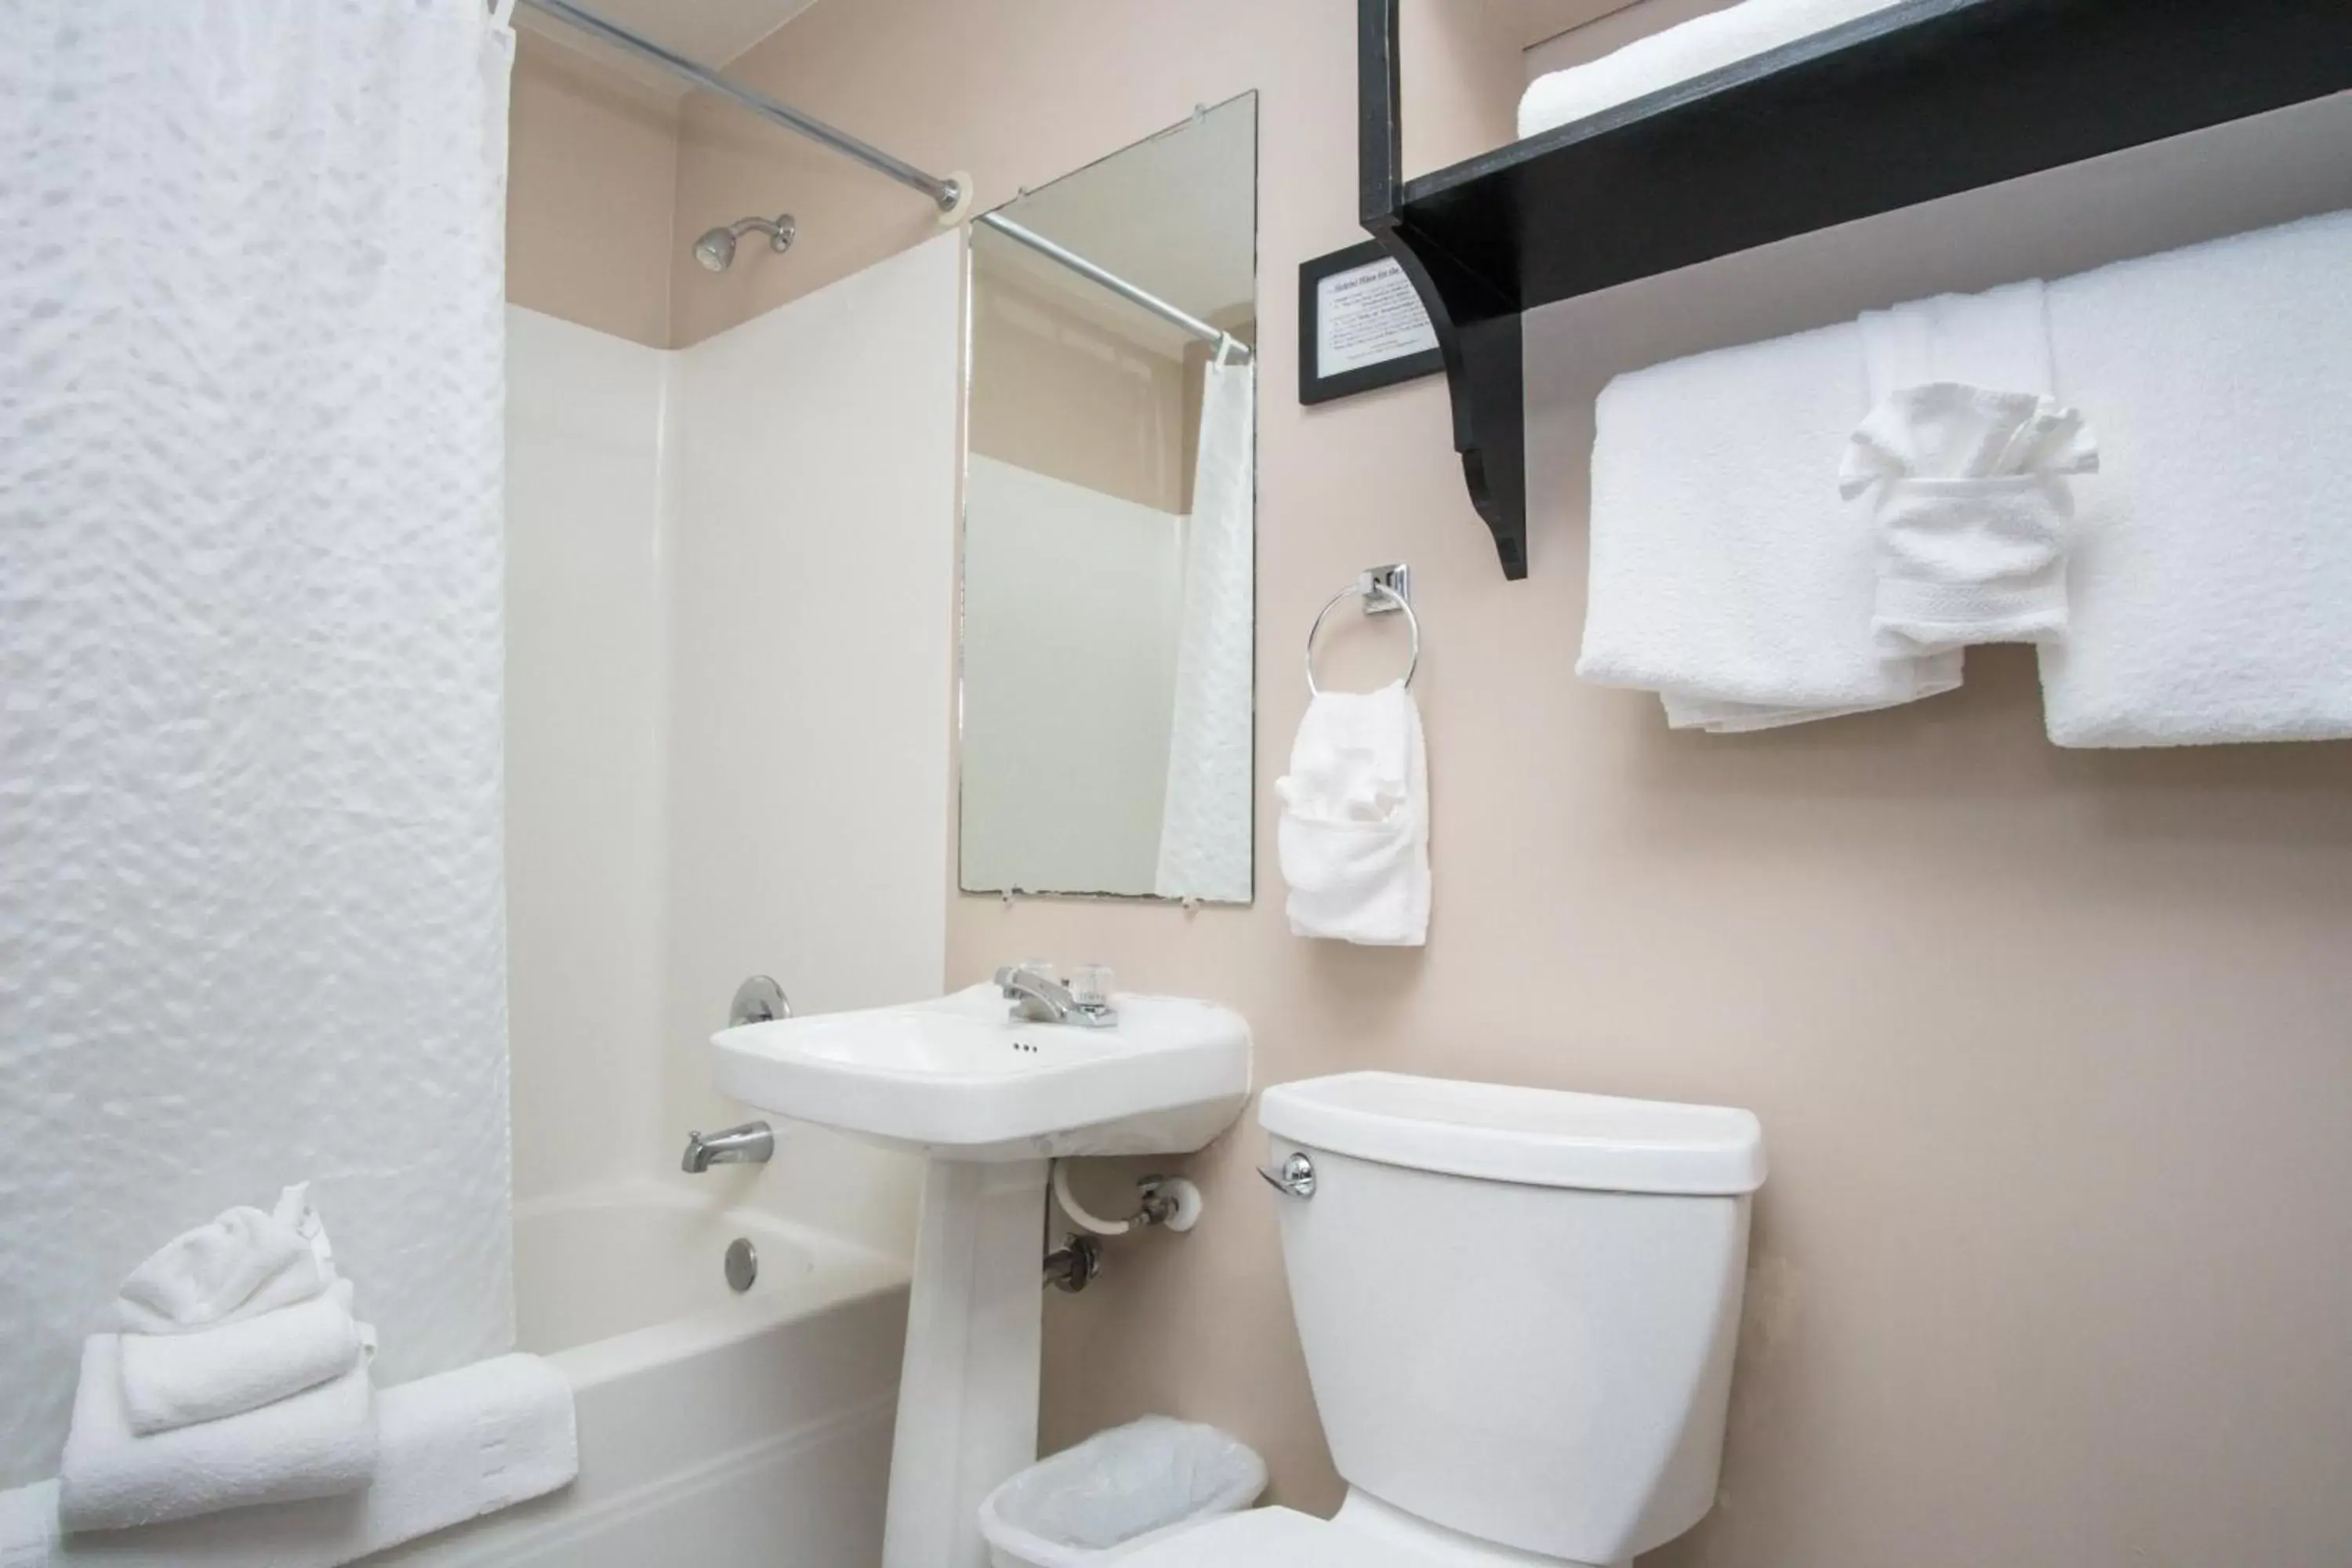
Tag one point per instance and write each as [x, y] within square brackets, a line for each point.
[967, 1391]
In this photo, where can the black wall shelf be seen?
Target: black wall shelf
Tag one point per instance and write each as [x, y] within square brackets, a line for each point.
[1927, 99]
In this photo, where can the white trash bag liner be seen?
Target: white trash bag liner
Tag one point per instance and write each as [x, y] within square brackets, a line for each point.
[1117, 1492]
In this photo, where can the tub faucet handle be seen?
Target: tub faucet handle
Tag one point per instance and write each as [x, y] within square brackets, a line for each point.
[750, 1144]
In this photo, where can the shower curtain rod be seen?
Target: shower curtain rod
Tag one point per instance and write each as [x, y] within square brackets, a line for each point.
[1120, 286]
[947, 194]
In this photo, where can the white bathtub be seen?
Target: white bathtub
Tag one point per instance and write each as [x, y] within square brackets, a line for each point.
[752, 1430]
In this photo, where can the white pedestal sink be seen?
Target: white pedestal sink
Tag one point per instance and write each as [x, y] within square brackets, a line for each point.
[988, 1101]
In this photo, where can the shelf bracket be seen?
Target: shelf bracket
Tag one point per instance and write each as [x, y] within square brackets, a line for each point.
[1477, 329]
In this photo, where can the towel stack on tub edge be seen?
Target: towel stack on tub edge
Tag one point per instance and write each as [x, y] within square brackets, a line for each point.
[229, 1419]
[2139, 469]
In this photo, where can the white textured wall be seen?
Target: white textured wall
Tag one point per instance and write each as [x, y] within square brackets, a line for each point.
[585, 676]
[1072, 601]
[813, 451]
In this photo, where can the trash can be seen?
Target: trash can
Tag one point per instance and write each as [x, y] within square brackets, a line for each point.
[1117, 1492]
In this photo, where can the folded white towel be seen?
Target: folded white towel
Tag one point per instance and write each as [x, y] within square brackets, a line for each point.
[1728, 575]
[452, 1446]
[316, 1444]
[471, 1442]
[1354, 831]
[2212, 565]
[177, 1380]
[1972, 500]
[1694, 47]
[243, 1264]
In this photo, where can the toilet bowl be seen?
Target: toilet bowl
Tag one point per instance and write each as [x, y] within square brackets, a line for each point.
[1518, 1309]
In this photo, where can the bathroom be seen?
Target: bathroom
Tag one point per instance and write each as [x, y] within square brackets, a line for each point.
[2051, 1046]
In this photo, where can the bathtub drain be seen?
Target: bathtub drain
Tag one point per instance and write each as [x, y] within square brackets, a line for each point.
[743, 1264]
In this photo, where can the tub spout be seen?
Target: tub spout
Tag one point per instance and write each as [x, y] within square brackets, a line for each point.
[750, 1144]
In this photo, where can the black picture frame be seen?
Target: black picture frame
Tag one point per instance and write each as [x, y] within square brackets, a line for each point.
[1313, 388]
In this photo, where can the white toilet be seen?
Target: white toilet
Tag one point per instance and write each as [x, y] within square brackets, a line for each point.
[1518, 1309]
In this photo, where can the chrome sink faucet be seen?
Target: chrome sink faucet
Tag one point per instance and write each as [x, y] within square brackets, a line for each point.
[1040, 999]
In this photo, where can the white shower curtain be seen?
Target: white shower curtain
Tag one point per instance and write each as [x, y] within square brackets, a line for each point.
[251, 899]
[1205, 825]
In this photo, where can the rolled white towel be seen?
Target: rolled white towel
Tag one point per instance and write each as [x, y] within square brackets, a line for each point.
[317, 1444]
[178, 1379]
[243, 1264]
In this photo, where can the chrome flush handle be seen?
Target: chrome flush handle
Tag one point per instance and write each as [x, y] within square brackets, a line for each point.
[1295, 1179]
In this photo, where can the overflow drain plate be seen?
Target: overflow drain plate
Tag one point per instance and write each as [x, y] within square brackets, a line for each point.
[742, 1265]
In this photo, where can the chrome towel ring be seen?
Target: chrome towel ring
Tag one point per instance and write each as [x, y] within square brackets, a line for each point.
[1383, 590]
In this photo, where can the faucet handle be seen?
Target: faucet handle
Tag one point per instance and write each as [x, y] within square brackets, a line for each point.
[1090, 985]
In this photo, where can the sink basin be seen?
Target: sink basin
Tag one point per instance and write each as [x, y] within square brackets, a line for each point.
[957, 1079]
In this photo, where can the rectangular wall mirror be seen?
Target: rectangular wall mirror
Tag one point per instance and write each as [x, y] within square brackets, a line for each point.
[1109, 541]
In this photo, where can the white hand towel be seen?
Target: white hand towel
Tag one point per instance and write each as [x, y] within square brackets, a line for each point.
[450, 1448]
[1972, 504]
[2212, 573]
[243, 1264]
[177, 1380]
[1354, 831]
[1727, 574]
[317, 1444]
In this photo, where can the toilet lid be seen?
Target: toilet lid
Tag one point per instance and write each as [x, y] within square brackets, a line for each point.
[1270, 1537]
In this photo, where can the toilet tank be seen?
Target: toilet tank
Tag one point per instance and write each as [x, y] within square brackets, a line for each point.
[1518, 1306]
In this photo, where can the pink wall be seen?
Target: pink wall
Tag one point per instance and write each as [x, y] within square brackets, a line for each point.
[592, 180]
[2054, 1050]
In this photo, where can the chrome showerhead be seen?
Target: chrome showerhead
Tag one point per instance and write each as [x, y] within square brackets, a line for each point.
[716, 249]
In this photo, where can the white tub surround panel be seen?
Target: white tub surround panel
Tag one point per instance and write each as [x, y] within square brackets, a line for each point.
[584, 679]
[813, 451]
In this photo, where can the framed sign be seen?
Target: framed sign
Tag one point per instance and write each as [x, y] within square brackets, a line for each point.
[1360, 325]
